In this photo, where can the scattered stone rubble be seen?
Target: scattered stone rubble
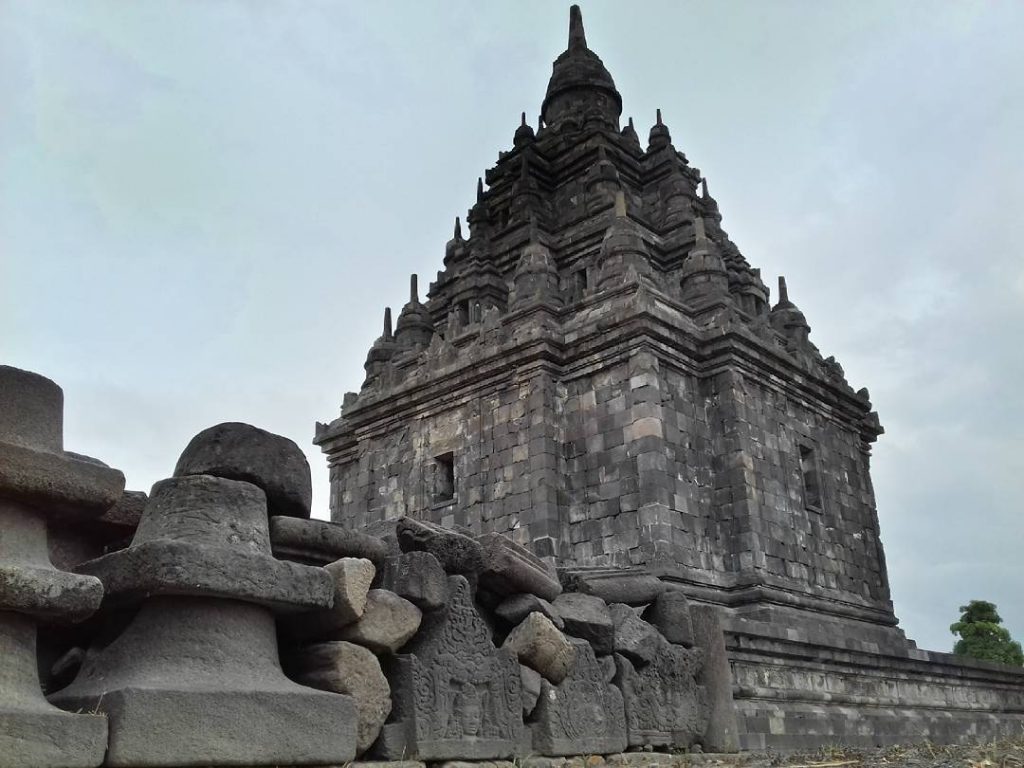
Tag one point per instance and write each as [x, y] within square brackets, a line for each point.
[231, 630]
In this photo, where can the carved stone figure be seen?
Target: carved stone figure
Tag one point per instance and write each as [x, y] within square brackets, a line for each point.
[455, 695]
[582, 715]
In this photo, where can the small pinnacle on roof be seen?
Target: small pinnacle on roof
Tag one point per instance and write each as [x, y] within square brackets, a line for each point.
[659, 118]
[388, 332]
[522, 119]
[704, 188]
[577, 35]
[414, 293]
[479, 188]
[783, 292]
[631, 125]
[458, 229]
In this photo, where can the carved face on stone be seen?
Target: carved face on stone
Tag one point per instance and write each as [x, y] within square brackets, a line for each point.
[470, 702]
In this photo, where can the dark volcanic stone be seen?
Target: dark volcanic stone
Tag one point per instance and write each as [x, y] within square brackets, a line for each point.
[583, 715]
[320, 542]
[721, 734]
[243, 452]
[418, 577]
[538, 644]
[387, 623]
[670, 614]
[457, 697]
[515, 608]
[346, 668]
[629, 587]
[457, 552]
[509, 568]
[587, 618]
[665, 706]
[634, 637]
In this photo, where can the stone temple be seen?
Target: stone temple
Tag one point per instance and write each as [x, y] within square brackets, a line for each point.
[599, 504]
[600, 375]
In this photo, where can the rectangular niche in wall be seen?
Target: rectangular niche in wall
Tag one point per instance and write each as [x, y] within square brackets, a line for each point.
[444, 478]
[811, 478]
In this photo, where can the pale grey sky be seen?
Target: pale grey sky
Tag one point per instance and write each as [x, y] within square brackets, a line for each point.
[204, 207]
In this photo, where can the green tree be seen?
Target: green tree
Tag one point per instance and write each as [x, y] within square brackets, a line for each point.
[982, 637]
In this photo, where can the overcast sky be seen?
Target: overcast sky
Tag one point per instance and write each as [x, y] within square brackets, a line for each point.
[205, 206]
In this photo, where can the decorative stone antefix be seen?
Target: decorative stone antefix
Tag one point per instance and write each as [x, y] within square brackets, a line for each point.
[195, 678]
[38, 480]
[455, 695]
[582, 715]
[664, 704]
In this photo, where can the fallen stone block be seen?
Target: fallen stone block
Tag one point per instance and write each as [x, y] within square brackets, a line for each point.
[457, 552]
[318, 542]
[665, 706]
[587, 618]
[387, 623]
[455, 695]
[509, 568]
[515, 608]
[539, 644]
[634, 638]
[531, 680]
[418, 577]
[352, 578]
[670, 615]
[239, 451]
[615, 586]
[582, 715]
[347, 668]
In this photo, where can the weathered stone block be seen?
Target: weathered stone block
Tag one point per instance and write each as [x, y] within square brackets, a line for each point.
[352, 578]
[509, 568]
[455, 695]
[634, 587]
[531, 680]
[346, 668]
[670, 614]
[239, 451]
[319, 542]
[634, 638]
[418, 577]
[721, 733]
[538, 644]
[515, 608]
[587, 618]
[582, 715]
[457, 552]
[664, 704]
[387, 623]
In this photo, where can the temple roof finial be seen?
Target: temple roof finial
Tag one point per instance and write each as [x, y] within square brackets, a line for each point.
[577, 35]
[479, 188]
[388, 332]
[783, 292]
[458, 228]
[659, 118]
[704, 188]
[414, 293]
[522, 119]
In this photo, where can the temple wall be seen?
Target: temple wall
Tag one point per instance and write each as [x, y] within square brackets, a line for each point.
[801, 688]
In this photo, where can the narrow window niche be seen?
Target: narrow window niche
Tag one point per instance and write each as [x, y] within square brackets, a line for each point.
[580, 284]
[444, 478]
[811, 478]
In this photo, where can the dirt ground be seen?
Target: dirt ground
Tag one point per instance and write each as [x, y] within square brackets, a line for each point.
[1005, 754]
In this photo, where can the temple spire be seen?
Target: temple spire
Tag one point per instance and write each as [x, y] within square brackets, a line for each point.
[577, 35]
[458, 228]
[414, 293]
[479, 188]
[388, 332]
